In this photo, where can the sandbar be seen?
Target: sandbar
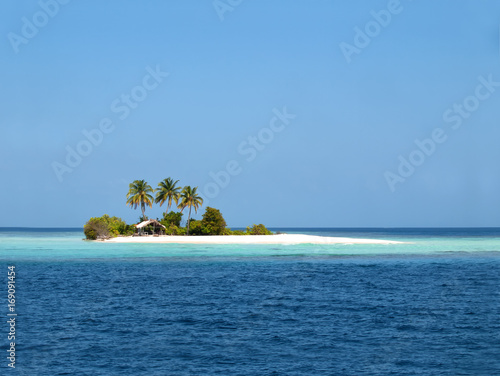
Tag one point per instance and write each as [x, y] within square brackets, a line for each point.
[248, 239]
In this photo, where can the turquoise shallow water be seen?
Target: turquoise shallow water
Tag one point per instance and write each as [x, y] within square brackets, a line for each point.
[68, 245]
[427, 307]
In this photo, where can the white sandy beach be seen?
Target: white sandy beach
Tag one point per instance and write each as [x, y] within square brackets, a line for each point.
[248, 239]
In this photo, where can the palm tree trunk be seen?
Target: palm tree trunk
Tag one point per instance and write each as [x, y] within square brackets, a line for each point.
[189, 216]
[143, 208]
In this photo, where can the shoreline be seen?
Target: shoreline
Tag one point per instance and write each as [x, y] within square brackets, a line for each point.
[246, 239]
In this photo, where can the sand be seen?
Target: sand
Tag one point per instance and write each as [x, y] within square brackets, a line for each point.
[248, 239]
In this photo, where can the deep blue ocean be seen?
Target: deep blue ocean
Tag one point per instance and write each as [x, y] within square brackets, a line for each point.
[430, 306]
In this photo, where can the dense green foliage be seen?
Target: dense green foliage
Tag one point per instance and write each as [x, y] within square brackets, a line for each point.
[172, 218]
[258, 230]
[228, 231]
[196, 228]
[236, 232]
[175, 230]
[106, 227]
[213, 222]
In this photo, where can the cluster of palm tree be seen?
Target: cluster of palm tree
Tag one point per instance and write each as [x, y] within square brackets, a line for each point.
[141, 194]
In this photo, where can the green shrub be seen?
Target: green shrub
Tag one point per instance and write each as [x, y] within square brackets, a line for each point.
[106, 227]
[181, 231]
[238, 232]
[171, 229]
[258, 230]
[174, 230]
[171, 218]
[213, 222]
[196, 228]
[117, 226]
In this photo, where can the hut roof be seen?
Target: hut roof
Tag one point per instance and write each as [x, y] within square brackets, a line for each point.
[149, 222]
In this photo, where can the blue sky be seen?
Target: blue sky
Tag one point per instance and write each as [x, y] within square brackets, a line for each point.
[204, 88]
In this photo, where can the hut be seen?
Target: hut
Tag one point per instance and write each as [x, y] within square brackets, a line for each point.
[151, 225]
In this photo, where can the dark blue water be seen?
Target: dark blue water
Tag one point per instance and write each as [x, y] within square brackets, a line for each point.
[273, 317]
[326, 315]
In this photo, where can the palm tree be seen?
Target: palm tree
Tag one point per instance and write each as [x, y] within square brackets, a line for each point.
[167, 191]
[190, 198]
[139, 193]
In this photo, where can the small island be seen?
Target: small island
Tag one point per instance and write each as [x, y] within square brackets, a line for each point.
[140, 194]
[211, 229]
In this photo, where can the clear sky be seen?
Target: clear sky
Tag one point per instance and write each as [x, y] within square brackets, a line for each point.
[291, 113]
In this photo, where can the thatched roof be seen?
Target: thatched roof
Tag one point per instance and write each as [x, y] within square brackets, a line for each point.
[149, 222]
